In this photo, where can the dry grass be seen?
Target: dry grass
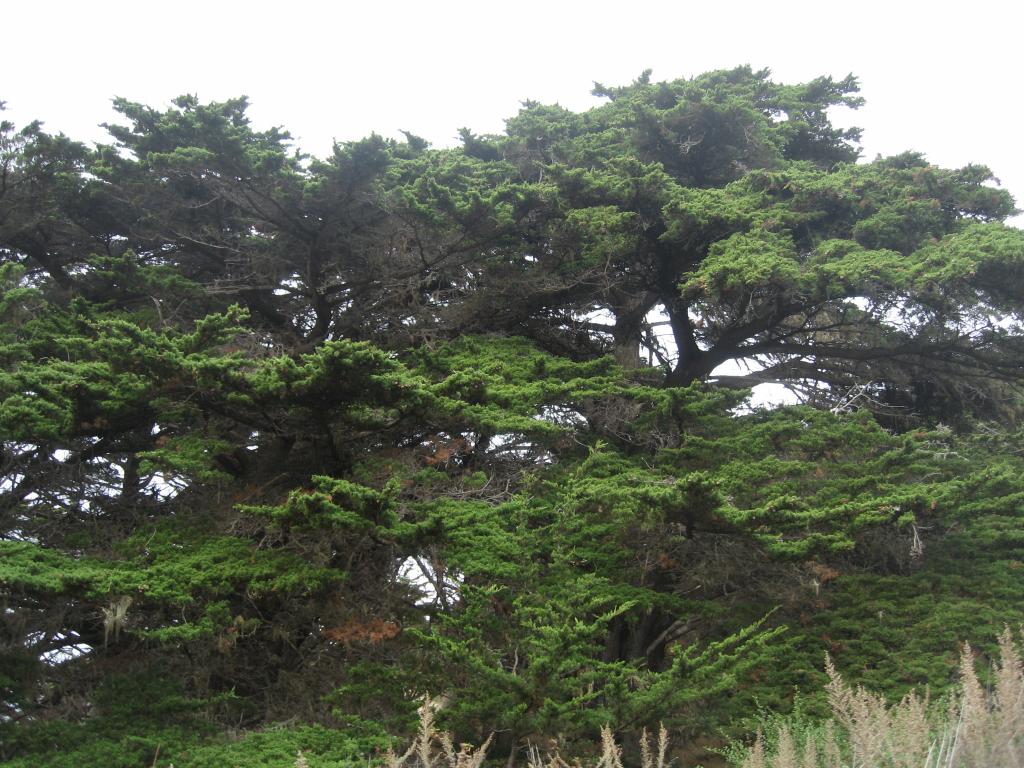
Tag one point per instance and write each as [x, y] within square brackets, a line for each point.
[980, 729]
[653, 754]
[434, 749]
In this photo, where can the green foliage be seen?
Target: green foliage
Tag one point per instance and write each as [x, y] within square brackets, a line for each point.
[143, 721]
[320, 438]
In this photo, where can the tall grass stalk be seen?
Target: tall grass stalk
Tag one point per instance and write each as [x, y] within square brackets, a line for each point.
[979, 729]
[434, 749]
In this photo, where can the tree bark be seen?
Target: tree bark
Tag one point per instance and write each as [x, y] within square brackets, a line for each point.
[630, 313]
[689, 365]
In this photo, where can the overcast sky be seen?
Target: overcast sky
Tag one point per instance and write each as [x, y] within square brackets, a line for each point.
[940, 78]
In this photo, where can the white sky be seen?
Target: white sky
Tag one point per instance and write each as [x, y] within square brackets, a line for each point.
[939, 77]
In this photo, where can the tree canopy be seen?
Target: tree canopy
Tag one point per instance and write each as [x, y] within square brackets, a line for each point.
[287, 438]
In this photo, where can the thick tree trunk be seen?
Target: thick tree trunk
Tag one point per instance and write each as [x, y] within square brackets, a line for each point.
[626, 347]
[690, 363]
[630, 638]
[615, 642]
[630, 313]
[131, 482]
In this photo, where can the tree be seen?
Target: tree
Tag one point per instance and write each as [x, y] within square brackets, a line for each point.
[286, 437]
[732, 205]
